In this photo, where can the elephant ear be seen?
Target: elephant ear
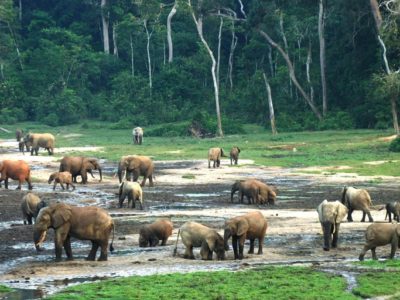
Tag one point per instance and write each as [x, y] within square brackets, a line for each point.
[242, 227]
[320, 210]
[341, 212]
[61, 214]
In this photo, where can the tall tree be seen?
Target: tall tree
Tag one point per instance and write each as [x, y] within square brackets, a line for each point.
[105, 23]
[169, 32]
[322, 58]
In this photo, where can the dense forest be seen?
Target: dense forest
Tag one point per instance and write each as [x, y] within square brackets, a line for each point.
[306, 65]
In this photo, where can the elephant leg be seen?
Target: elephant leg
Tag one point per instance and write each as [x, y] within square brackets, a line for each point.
[19, 184]
[327, 229]
[103, 251]
[362, 254]
[390, 217]
[209, 255]
[92, 253]
[218, 163]
[67, 248]
[144, 180]
[349, 217]
[29, 220]
[30, 187]
[363, 217]
[374, 257]
[164, 242]
[189, 252]
[121, 201]
[48, 150]
[251, 250]
[260, 245]
[6, 183]
[62, 186]
[135, 175]
[395, 241]
[209, 164]
[84, 177]
[335, 236]
[370, 219]
[235, 246]
[73, 186]
[231, 162]
[59, 239]
[241, 246]
[151, 180]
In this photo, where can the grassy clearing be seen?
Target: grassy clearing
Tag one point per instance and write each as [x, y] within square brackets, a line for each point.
[373, 284]
[328, 149]
[265, 283]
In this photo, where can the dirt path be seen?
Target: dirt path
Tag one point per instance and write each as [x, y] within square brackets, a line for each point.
[184, 190]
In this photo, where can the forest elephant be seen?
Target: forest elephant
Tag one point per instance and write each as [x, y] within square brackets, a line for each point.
[330, 216]
[215, 154]
[136, 165]
[380, 234]
[84, 223]
[393, 208]
[137, 134]
[357, 199]
[43, 140]
[80, 166]
[255, 191]
[61, 178]
[197, 235]
[250, 226]
[19, 133]
[16, 170]
[30, 207]
[234, 155]
[150, 235]
[133, 191]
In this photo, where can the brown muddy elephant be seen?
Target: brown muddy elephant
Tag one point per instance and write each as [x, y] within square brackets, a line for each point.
[30, 207]
[150, 235]
[133, 191]
[136, 165]
[255, 191]
[16, 170]
[393, 208]
[380, 234]
[215, 154]
[43, 140]
[250, 226]
[61, 178]
[80, 166]
[330, 216]
[84, 223]
[234, 155]
[197, 235]
[357, 199]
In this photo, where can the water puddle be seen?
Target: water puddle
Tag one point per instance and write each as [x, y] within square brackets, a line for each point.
[198, 195]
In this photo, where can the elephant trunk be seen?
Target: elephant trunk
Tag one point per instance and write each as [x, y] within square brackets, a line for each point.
[327, 230]
[39, 237]
[227, 235]
[119, 172]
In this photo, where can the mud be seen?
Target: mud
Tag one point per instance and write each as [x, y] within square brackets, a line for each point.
[183, 191]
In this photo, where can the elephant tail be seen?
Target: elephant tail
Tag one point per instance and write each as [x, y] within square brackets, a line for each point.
[112, 241]
[176, 244]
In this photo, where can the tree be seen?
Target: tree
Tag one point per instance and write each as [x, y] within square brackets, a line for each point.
[322, 59]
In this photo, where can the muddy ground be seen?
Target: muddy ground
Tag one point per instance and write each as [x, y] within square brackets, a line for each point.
[183, 191]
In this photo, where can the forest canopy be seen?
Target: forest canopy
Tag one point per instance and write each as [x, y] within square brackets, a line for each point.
[135, 62]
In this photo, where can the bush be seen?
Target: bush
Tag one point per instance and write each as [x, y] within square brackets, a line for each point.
[51, 120]
[122, 124]
[169, 130]
[337, 120]
[11, 115]
[395, 145]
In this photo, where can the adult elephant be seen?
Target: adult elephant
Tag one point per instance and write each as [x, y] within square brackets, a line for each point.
[84, 223]
[30, 207]
[80, 166]
[214, 155]
[136, 165]
[19, 134]
[255, 191]
[357, 199]
[16, 170]
[393, 208]
[330, 216]
[250, 226]
[137, 134]
[43, 140]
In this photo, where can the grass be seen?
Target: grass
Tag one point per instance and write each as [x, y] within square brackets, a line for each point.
[373, 284]
[265, 283]
[4, 290]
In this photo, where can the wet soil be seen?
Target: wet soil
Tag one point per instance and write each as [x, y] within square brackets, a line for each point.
[183, 191]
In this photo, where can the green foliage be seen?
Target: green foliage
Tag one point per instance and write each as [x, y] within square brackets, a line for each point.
[11, 115]
[395, 145]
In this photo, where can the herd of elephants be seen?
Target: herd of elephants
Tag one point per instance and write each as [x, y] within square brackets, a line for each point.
[95, 224]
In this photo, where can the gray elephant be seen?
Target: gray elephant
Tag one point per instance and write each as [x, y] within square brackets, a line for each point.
[136, 165]
[137, 134]
[30, 207]
[380, 234]
[19, 134]
[330, 216]
[133, 191]
[357, 199]
[80, 166]
[234, 155]
[393, 208]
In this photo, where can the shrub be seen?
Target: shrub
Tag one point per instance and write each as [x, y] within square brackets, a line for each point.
[395, 145]
[122, 124]
[51, 120]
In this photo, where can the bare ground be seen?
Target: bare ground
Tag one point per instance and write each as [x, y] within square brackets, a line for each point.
[184, 190]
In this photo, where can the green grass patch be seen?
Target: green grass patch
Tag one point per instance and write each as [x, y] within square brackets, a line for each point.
[373, 284]
[265, 283]
[379, 264]
[188, 176]
[4, 289]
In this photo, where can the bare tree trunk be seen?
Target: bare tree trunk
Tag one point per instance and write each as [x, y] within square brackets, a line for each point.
[376, 13]
[199, 26]
[242, 9]
[132, 57]
[221, 23]
[164, 53]
[286, 50]
[104, 21]
[270, 105]
[115, 39]
[308, 72]
[321, 29]
[231, 52]
[169, 33]
[271, 64]
[2, 71]
[16, 45]
[292, 74]
[20, 10]
[148, 34]
[393, 100]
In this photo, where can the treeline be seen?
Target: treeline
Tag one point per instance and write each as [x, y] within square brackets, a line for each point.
[64, 61]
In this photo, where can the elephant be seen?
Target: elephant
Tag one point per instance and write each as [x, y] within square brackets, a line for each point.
[133, 191]
[21, 147]
[44, 140]
[234, 155]
[30, 207]
[393, 208]
[197, 235]
[215, 154]
[61, 177]
[357, 199]
[250, 226]
[380, 234]
[255, 191]
[80, 166]
[330, 216]
[17, 170]
[19, 134]
[137, 133]
[150, 235]
[84, 223]
[138, 166]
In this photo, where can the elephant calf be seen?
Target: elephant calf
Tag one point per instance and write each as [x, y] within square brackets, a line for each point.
[133, 191]
[197, 235]
[30, 207]
[150, 235]
[215, 154]
[250, 226]
[234, 155]
[393, 208]
[61, 178]
[380, 234]
[357, 199]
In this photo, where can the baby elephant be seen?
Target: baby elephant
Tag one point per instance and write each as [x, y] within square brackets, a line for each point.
[133, 191]
[393, 208]
[61, 178]
[234, 155]
[30, 207]
[150, 235]
[380, 234]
